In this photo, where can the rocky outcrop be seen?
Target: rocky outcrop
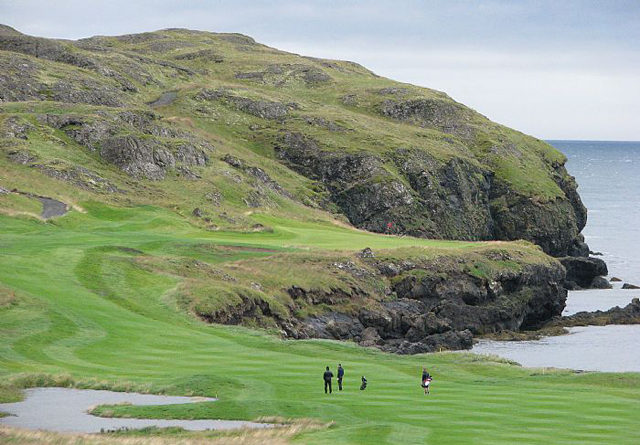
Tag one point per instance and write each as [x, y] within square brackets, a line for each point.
[435, 305]
[20, 81]
[629, 314]
[429, 196]
[442, 115]
[137, 143]
[583, 272]
[284, 74]
[259, 108]
[78, 176]
[262, 178]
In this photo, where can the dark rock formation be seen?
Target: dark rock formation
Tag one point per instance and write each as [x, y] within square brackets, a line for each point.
[601, 283]
[630, 314]
[581, 272]
[438, 114]
[432, 196]
[630, 286]
[435, 306]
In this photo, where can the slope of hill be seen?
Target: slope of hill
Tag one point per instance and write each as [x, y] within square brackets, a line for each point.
[233, 125]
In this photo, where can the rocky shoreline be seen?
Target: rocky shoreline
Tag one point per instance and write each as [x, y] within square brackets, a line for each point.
[433, 305]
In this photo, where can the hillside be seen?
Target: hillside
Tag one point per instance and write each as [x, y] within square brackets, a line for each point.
[229, 136]
[225, 125]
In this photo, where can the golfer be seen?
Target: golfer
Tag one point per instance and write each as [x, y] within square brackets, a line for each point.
[426, 380]
[327, 376]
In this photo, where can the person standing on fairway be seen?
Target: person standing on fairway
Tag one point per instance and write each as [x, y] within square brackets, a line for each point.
[328, 375]
[340, 376]
[426, 380]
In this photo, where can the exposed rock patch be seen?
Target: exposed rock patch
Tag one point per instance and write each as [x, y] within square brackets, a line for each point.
[445, 116]
[137, 143]
[260, 175]
[78, 176]
[261, 108]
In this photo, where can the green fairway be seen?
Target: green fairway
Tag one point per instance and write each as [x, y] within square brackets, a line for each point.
[72, 303]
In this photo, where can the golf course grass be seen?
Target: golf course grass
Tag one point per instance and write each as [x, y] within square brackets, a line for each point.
[71, 304]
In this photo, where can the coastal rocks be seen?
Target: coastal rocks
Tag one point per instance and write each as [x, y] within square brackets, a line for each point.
[630, 286]
[582, 272]
[551, 225]
[425, 202]
[601, 283]
[435, 305]
[630, 314]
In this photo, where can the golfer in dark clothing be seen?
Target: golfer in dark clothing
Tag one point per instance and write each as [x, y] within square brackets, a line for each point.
[340, 376]
[328, 375]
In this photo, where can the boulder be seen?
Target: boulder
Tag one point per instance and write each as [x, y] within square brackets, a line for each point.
[630, 286]
[583, 271]
[365, 253]
[601, 283]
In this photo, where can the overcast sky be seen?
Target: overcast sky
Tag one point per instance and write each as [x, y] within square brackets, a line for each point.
[561, 69]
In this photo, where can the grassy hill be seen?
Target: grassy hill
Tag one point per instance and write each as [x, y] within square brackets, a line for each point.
[238, 126]
[209, 178]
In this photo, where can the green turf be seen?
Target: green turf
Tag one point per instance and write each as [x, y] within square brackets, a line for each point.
[72, 304]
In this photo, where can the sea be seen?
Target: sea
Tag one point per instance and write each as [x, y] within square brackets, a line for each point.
[608, 176]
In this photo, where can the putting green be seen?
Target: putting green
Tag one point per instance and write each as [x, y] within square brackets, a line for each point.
[72, 304]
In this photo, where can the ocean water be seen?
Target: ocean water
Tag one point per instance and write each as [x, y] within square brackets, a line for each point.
[608, 175]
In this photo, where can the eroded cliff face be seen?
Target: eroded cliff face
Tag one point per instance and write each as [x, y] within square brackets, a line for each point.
[410, 192]
[440, 305]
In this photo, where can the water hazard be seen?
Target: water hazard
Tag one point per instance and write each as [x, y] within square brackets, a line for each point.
[65, 410]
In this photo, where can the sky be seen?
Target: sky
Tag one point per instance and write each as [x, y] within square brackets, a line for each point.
[562, 69]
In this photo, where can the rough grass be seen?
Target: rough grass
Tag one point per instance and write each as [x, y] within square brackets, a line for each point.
[84, 313]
